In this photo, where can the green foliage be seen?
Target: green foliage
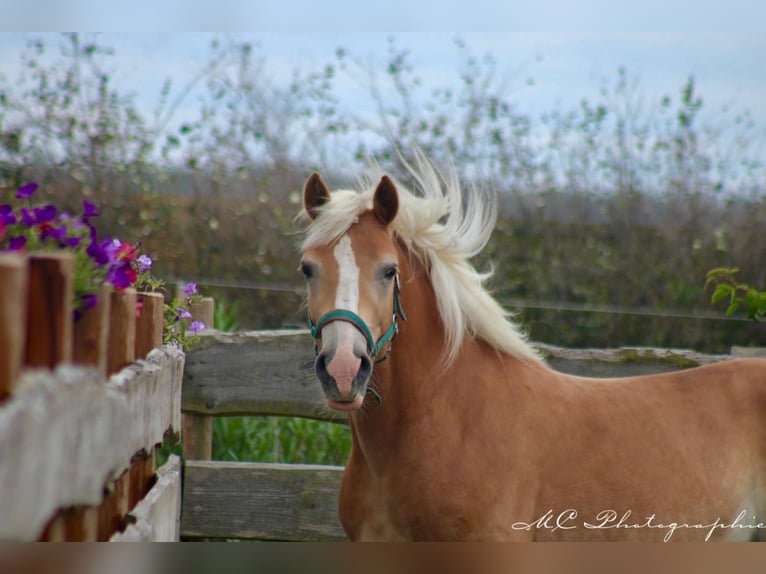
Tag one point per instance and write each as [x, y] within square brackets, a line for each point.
[226, 316]
[739, 296]
[280, 439]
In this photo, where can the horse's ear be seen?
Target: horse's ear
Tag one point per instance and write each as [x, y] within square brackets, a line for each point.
[315, 194]
[385, 203]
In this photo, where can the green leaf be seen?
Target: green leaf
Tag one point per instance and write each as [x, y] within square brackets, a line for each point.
[732, 309]
[722, 291]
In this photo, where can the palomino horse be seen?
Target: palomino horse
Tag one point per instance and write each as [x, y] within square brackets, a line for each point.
[461, 432]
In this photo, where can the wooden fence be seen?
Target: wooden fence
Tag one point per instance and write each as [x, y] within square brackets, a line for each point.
[271, 373]
[82, 406]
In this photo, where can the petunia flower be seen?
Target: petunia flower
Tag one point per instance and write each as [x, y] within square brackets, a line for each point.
[122, 276]
[6, 215]
[182, 313]
[196, 327]
[89, 210]
[97, 253]
[17, 243]
[27, 190]
[111, 246]
[95, 250]
[144, 263]
[71, 241]
[45, 214]
[126, 252]
[89, 300]
[28, 219]
[47, 230]
[190, 289]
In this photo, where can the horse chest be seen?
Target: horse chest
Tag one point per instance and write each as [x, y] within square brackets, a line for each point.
[403, 508]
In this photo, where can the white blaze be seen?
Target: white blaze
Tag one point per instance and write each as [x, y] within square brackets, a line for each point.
[347, 296]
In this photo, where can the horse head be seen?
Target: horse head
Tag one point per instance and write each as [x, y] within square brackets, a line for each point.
[353, 289]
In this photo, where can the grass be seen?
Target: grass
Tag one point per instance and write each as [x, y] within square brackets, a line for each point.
[289, 440]
[280, 439]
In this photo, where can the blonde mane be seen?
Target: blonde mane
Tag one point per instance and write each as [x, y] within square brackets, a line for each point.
[444, 228]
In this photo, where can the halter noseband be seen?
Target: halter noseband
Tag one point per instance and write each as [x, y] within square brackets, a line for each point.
[373, 348]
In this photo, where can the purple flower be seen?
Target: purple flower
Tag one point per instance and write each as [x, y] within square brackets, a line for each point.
[89, 300]
[57, 233]
[89, 210]
[144, 263]
[6, 215]
[95, 250]
[27, 218]
[97, 253]
[121, 276]
[45, 214]
[17, 243]
[26, 190]
[182, 313]
[196, 327]
[111, 246]
[190, 289]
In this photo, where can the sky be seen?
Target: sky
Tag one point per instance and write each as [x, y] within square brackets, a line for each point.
[542, 69]
[577, 45]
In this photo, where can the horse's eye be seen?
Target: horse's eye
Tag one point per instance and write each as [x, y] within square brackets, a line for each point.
[390, 273]
[307, 270]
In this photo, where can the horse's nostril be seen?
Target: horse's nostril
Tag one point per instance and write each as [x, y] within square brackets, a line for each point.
[365, 369]
[321, 368]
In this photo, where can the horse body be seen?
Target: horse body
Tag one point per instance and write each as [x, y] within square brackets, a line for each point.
[480, 453]
[495, 445]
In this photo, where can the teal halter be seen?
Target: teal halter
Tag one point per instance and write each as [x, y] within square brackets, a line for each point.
[373, 348]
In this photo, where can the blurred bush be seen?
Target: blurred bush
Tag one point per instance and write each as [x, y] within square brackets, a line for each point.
[617, 203]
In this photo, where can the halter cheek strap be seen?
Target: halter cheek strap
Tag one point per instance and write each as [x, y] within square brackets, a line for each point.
[373, 347]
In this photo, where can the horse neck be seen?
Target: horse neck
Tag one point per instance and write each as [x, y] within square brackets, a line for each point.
[413, 374]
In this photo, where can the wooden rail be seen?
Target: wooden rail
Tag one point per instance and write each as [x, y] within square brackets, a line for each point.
[291, 502]
[270, 373]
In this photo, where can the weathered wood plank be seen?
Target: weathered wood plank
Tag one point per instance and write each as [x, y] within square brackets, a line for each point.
[122, 330]
[749, 352]
[271, 372]
[197, 437]
[149, 323]
[64, 435]
[91, 332]
[623, 361]
[50, 291]
[254, 373]
[61, 439]
[260, 501]
[113, 510]
[203, 311]
[13, 315]
[156, 518]
[152, 388]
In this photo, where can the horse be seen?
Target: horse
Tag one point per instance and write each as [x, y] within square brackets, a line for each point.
[461, 431]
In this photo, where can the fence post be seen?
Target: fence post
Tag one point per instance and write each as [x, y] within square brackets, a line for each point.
[198, 429]
[91, 332]
[13, 312]
[122, 330]
[149, 323]
[50, 291]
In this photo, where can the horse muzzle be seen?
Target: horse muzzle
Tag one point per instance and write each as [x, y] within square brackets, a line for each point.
[343, 369]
